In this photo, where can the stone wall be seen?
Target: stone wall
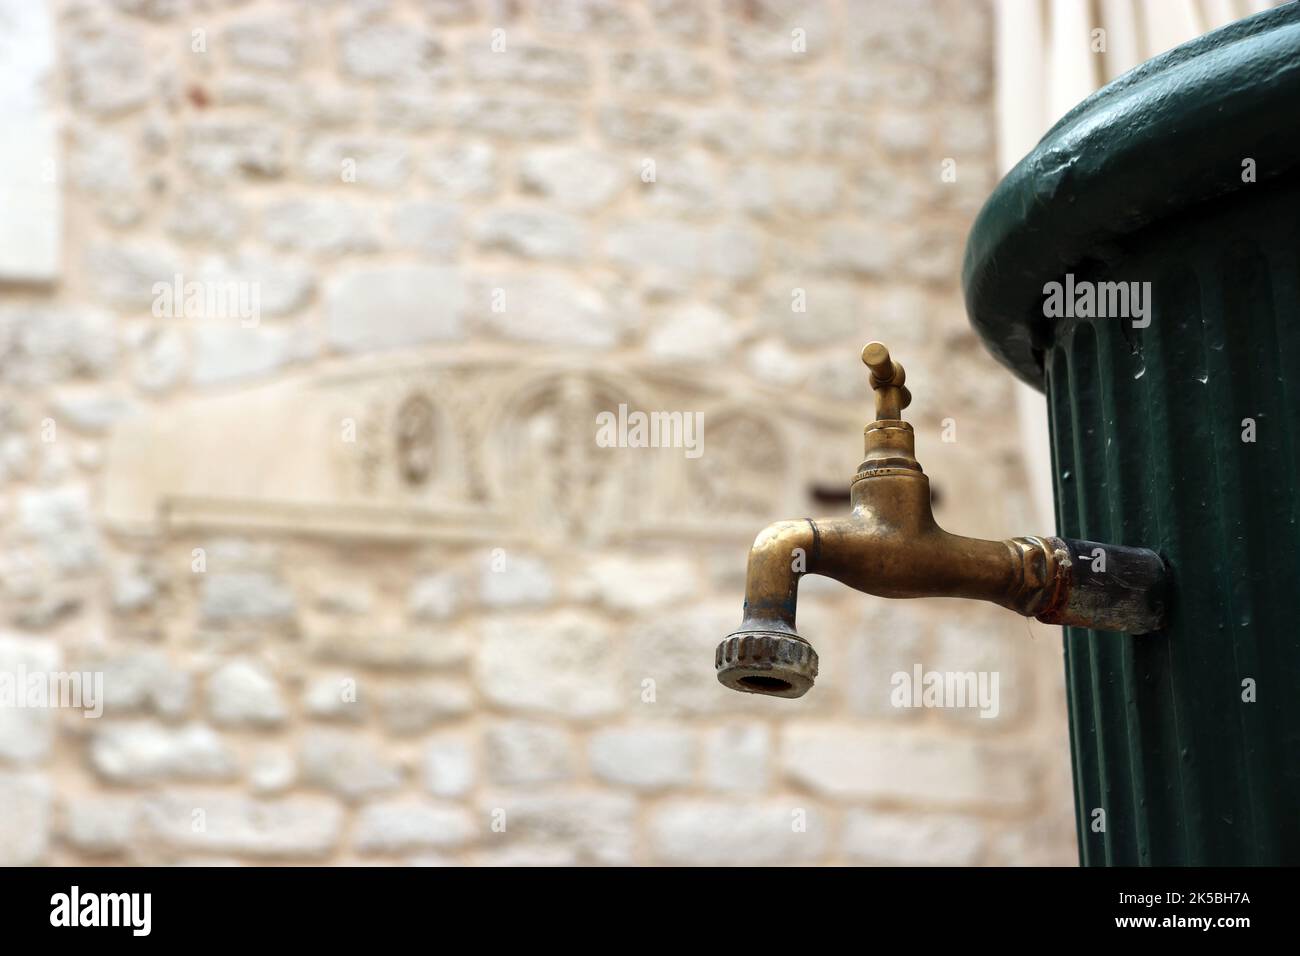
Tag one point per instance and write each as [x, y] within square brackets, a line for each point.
[361, 585]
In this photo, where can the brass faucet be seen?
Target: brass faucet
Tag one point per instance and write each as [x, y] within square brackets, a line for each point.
[891, 546]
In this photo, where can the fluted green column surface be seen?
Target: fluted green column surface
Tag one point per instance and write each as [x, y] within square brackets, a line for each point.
[1188, 740]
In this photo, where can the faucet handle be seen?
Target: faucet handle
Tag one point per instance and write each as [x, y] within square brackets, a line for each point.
[887, 378]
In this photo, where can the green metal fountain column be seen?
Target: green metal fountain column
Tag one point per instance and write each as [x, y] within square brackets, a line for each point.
[1176, 430]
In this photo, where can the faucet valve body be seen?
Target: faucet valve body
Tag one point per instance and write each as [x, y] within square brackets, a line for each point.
[891, 546]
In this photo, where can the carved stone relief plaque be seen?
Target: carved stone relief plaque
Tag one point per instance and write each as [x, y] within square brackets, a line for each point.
[471, 447]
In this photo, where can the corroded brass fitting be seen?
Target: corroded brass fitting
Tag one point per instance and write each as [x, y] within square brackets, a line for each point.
[891, 546]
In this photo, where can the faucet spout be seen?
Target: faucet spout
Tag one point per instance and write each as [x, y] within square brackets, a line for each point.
[890, 546]
[766, 655]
